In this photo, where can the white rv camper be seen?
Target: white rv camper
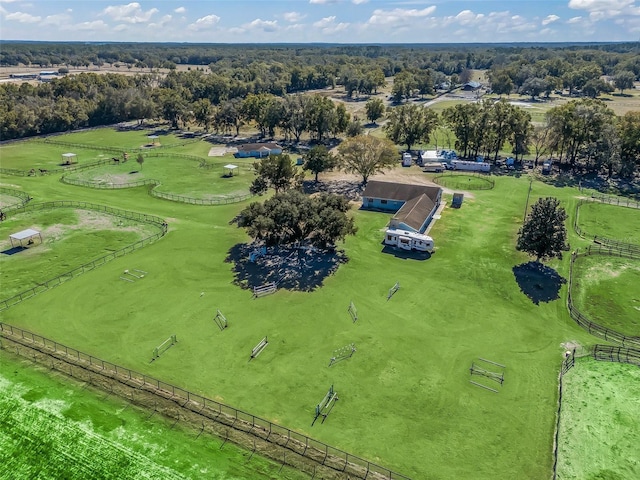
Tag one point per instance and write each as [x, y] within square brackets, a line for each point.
[470, 166]
[409, 240]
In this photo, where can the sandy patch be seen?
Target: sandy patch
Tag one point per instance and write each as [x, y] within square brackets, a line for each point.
[221, 151]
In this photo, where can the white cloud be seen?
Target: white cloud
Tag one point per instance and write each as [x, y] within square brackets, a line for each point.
[550, 19]
[359, 2]
[594, 5]
[130, 13]
[398, 16]
[180, 10]
[322, 2]
[23, 17]
[204, 22]
[328, 25]
[8, 1]
[57, 19]
[293, 16]
[573, 20]
[467, 17]
[163, 22]
[96, 25]
[264, 25]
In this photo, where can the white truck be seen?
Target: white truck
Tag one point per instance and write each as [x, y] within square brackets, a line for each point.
[470, 166]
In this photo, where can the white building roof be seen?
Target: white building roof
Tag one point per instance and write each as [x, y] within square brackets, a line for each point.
[29, 232]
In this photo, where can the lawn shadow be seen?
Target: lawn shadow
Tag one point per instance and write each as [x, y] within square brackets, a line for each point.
[538, 282]
[405, 254]
[292, 268]
[13, 250]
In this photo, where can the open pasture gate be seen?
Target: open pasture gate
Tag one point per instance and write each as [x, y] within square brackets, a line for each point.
[485, 372]
[342, 353]
[164, 346]
[220, 320]
[323, 409]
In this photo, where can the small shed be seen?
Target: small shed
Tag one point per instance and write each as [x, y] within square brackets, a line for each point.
[230, 170]
[69, 158]
[29, 234]
[457, 200]
[153, 139]
[406, 159]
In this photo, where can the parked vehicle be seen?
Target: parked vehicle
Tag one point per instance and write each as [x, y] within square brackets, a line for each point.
[409, 240]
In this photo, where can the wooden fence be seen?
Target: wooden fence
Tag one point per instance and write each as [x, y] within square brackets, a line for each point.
[580, 318]
[319, 453]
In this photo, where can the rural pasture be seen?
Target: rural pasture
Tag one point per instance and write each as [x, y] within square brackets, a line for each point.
[56, 427]
[405, 399]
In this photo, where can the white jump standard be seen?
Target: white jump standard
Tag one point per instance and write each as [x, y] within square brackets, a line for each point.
[257, 350]
[393, 290]
[326, 405]
[220, 320]
[353, 312]
[488, 369]
[342, 353]
[164, 346]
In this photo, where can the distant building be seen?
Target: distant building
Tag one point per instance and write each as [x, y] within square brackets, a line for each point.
[258, 150]
[471, 86]
[414, 205]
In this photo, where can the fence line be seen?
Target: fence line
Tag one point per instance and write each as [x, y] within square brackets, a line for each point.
[581, 319]
[23, 199]
[621, 201]
[64, 277]
[314, 450]
[608, 242]
[444, 181]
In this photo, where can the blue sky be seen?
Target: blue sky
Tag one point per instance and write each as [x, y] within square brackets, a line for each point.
[334, 21]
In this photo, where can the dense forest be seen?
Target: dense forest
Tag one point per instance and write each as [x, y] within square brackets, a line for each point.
[266, 86]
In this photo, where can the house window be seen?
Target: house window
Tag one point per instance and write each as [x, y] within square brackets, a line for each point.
[389, 237]
[383, 202]
[370, 200]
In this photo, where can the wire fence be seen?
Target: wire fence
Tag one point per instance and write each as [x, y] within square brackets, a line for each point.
[45, 285]
[621, 201]
[580, 318]
[462, 181]
[314, 450]
[607, 242]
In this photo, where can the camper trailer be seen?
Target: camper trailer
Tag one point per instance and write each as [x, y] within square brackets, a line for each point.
[470, 166]
[406, 159]
[546, 167]
[408, 240]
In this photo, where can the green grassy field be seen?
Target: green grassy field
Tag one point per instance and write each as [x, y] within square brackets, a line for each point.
[405, 397]
[461, 181]
[30, 154]
[177, 175]
[110, 137]
[611, 221]
[69, 238]
[606, 290]
[599, 422]
[52, 426]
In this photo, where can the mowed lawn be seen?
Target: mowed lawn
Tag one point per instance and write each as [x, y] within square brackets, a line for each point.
[177, 175]
[610, 221]
[599, 422]
[55, 427]
[606, 289]
[39, 155]
[130, 139]
[405, 399]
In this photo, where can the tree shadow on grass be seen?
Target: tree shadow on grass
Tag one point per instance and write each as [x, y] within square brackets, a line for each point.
[292, 268]
[538, 282]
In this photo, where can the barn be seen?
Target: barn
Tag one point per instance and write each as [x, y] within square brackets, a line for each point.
[258, 150]
[413, 205]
